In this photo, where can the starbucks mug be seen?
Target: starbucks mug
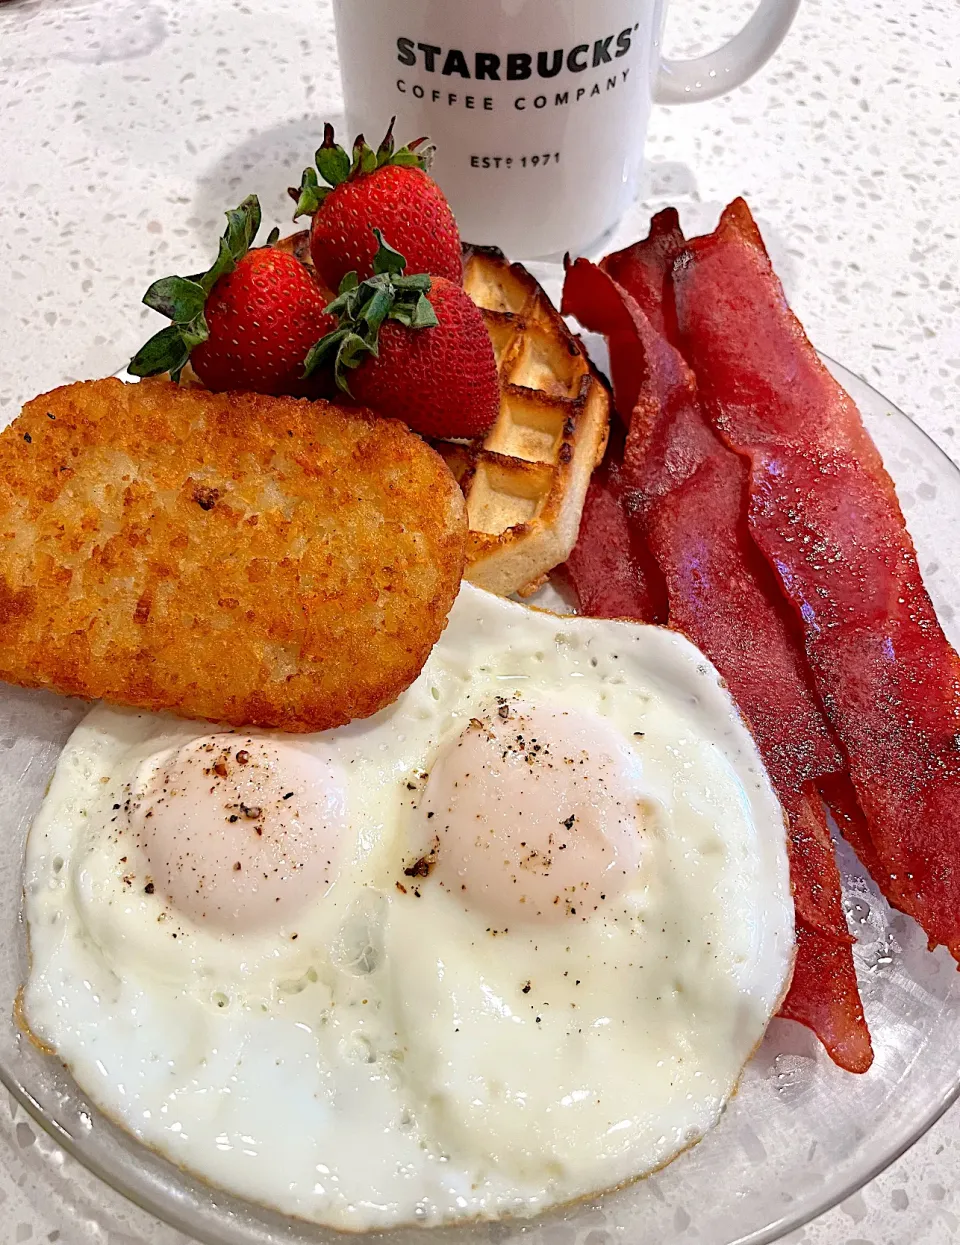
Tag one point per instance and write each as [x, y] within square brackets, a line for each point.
[538, 108]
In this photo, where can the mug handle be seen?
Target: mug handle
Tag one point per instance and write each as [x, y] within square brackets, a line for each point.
[704, 77]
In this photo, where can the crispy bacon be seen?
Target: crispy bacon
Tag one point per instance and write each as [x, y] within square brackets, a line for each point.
[610, 568]
[643, 270]
[825, 998]
[688, 495]
[691, 493]
[825, 513]
[841, 799]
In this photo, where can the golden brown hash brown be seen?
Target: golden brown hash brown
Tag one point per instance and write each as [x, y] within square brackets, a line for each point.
[251, 560]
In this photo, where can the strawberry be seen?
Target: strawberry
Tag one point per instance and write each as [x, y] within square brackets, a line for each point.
[246, 323]
[384, 189]
[415, 347]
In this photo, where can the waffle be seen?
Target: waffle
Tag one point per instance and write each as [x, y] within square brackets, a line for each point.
[526, 480]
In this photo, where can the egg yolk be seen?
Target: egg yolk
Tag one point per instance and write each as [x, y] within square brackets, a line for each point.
[535, 814]
[239, 832]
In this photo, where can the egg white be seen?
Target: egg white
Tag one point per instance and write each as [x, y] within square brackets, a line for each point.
[381, 1056]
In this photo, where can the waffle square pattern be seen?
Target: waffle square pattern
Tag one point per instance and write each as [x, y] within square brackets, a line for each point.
[526, 480]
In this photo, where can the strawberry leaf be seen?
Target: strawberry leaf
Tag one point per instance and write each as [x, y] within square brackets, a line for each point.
[424, 315]
[422, 152]
[358, 145]
[352, 350]
[362, 307]
[344, 304]
[335, 166]
[333, 162]
[221, 266]
[385, 150]
[166, 351]
[387, 260]
[195, 332]
[405, 158]
[365, 159]
[177, 298]
[182, 299]
[322, 350]
[376, 309]
[309, 195]
[345, 348]
[420, 281]
[243, 224]
[419, 316]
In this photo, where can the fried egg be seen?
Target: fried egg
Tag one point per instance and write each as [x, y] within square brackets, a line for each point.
[508, 943]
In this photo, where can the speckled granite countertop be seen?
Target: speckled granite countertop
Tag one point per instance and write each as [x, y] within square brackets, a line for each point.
[126, 126]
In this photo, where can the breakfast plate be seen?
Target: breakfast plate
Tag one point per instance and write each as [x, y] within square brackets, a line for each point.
[799, 1136]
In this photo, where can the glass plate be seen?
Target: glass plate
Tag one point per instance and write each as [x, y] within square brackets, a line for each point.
[799, 1136]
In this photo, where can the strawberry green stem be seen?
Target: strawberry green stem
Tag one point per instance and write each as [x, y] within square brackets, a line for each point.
[182, 299]
[335, 166]
[362, 307]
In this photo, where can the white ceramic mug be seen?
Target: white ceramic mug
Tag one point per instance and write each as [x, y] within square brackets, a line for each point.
[538, 108]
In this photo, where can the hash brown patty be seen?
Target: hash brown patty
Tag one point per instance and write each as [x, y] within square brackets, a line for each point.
[256, 561]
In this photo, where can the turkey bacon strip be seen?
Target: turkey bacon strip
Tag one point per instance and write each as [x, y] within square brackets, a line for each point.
[825, 514]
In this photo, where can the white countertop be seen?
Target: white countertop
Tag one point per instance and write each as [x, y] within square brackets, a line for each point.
[127, 126]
